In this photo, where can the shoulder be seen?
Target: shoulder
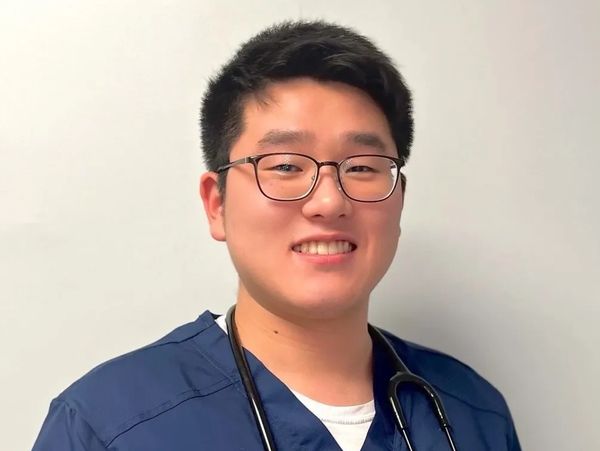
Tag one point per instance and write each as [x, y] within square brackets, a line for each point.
[142, 384]
[450, 376]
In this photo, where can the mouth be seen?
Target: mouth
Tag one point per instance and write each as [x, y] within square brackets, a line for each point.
[335, 247]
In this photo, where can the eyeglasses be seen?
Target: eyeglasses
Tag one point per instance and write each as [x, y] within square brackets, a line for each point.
[293, 176]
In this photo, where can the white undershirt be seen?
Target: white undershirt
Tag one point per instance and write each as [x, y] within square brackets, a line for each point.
[347, 424]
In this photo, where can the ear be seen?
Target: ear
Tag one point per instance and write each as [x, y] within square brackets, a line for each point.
[213, 205]
[403, 186]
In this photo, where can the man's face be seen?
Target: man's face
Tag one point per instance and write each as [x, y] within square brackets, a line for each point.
[265, 236]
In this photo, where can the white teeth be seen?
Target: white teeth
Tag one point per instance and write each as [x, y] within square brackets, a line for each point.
[333, 247]
[323, 247]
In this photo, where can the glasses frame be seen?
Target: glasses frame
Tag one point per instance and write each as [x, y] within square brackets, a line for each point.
[254, 159]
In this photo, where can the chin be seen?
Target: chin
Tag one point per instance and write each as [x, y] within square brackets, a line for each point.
[325, 307]
[316, 301]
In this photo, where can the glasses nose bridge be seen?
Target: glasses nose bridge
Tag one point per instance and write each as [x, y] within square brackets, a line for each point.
[328, 163]
[335, 164]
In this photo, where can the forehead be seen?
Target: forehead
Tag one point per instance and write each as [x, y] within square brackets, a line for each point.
[306, 111]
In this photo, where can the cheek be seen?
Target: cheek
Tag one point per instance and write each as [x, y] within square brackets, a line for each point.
[388, 212]
[388, 242]
[385, 226]
[255, 228]
[257, 236]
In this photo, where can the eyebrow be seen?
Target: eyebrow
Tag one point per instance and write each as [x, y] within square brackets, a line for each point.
[276, 137]
[366, 139]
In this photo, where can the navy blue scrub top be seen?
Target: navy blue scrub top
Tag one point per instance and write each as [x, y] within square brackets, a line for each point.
[183, 393]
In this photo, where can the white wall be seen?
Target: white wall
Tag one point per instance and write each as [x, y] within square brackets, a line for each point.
[104, 246]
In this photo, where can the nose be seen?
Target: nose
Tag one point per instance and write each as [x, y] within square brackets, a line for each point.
[327, 199]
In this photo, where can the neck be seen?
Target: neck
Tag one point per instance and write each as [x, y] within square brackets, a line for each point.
[328, 360]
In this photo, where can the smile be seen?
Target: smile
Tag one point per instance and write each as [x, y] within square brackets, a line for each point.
[324, 247]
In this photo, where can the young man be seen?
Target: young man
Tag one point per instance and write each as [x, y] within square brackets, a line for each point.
[304, 132]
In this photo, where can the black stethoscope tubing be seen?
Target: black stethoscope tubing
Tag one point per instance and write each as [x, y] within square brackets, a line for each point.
[403, 377]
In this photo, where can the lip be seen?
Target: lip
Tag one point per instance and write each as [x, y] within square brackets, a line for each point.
[333, 260]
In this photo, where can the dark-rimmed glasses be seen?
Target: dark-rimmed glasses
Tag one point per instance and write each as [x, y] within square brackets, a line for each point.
[293, 176]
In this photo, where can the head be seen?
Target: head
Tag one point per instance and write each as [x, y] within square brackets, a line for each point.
[311, 85]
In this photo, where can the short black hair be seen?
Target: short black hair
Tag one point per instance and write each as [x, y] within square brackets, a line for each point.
[316, 49]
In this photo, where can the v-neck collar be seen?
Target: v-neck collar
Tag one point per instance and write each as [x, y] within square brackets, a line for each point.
[293, 425]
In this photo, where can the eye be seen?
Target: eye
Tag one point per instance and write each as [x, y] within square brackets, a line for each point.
[361, 168]
[285, 167]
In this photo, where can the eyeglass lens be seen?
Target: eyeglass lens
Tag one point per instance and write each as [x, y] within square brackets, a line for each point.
[363, 178]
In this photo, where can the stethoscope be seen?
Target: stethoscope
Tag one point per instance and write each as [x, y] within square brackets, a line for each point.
[403, 377]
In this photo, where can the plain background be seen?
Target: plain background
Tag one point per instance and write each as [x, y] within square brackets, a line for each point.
[104, 244]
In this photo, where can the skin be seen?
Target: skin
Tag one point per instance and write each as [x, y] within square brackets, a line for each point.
[295, 313]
